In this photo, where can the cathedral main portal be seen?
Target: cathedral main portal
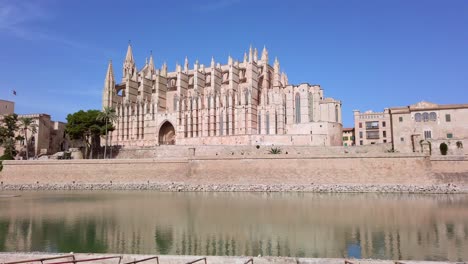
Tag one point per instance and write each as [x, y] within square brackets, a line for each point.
[167, 134]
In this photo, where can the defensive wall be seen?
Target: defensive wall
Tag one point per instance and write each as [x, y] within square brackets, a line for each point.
[266, 169]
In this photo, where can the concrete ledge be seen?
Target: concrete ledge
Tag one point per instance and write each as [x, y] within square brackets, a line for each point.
[172, 259]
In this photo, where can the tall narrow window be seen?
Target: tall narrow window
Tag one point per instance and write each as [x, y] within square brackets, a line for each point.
[185, 126]
[298, 108]
[221, 125]
[336, 113]
[246, 97]
[267, 125]
[447, 118]
[259, 124]
[246, 120]
[427, 134]
[227, 124]
[276, 123]
[175, 102]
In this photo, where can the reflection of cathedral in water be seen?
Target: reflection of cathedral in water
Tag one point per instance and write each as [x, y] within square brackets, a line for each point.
[310, 225]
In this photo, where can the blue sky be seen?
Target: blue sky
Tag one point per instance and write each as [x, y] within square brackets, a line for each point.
[370, 54]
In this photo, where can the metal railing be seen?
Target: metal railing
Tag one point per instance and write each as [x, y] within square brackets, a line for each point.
[40, 259]
[146, 259]
[249, 261]
[74, 261]
[197, 260]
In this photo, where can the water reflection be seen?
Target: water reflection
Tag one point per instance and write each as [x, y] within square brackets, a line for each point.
[385, 226]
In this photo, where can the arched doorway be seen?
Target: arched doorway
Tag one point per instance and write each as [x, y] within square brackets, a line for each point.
[167, 134]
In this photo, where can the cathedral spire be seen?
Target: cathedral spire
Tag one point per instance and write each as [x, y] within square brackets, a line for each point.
[186, 66]
[164, 69]
[245, 57]
[151, 64]
[129, 67]
[129, 57]
[110, 73]
[109, 86]
[276, 73]
[255, 58]
[265, 55]
[212, 62]
[250, 54]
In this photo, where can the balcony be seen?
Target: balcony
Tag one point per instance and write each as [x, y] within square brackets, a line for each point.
[372, 125]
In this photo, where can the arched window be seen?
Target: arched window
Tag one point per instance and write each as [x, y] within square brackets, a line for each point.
[246, 96]
[425, 117]
[298, 108]
[267, 125]
[417, 117]
[432, 116]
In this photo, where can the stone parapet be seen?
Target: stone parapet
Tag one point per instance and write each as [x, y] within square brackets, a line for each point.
[393, 169]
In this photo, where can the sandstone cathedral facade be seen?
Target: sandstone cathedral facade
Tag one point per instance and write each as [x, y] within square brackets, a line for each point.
[239, 103]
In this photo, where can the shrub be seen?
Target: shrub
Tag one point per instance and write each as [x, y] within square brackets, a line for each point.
[275, 151]
[5, 156]
[459, 144]
[443, 148]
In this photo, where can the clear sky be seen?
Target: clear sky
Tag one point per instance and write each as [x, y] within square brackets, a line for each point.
[370, 54]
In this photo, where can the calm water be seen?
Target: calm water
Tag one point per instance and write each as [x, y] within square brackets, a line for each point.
[384, 226]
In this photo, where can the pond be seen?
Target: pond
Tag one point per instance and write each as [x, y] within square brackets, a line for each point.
[379, 226]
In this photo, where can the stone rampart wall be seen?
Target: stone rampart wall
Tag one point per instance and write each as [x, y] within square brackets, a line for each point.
[263, 169]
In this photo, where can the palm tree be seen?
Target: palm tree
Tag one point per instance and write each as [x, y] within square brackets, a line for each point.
[27, 123]
[107, 114]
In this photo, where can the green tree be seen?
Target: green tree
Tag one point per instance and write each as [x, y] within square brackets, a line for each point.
[85, 127]
[8, 128]
[27, 124]
[109, 116]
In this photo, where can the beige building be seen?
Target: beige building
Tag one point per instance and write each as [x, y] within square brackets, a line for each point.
[49, 137]
[424, 121]
[372, 127]
[7, 107]
[241, 103]
[348, 137]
